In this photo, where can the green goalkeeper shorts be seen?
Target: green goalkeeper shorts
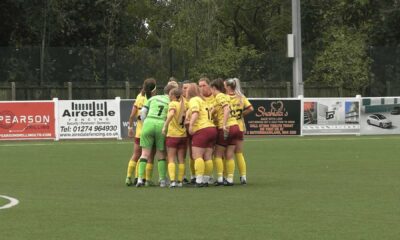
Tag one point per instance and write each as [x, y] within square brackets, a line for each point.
[152, 134]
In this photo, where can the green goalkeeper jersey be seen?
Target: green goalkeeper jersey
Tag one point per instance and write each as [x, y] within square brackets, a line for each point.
[157, 107]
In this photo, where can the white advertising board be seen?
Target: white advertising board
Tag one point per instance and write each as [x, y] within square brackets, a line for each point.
[88, 119]
[324, 116]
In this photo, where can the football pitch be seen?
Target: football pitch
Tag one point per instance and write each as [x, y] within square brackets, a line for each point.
[298, 188]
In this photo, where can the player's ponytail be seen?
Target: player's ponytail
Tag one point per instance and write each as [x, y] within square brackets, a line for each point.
[177, 92]
[149, 86]
[234, 84]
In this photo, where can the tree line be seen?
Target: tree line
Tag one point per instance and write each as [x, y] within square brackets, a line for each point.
[350, 44]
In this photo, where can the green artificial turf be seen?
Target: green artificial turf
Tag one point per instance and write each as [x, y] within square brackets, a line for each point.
[299, 188]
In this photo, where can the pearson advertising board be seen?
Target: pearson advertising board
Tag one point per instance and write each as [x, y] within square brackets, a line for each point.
[27, 120]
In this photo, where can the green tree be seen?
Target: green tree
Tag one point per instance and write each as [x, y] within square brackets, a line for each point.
[343, 62]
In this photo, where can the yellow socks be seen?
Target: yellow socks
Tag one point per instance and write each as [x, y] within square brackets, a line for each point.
[208, 170]
[131, 168]
[230, 169]
[171, 171]
[192, 169]
[137, 171]
[199, 167]
[241, 164]
[149, 171]
[219, 166]
[225, 169]
[181, 171]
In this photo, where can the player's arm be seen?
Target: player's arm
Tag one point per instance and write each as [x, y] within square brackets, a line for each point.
[143, 113]
[226, 110]
[224, 103]
[145, 110]
[170, 115]
[193, 119]
[248, 110]
[131, 118]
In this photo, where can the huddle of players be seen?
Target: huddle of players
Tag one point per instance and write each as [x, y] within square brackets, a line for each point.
[206, 118]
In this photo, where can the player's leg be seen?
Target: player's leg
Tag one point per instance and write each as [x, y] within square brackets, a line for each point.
[198, 153]
[146, 142]
[191, 162]
[234, 136]
[171, 154]
[219, 165]
[219, 151]
[208, 164]
[230, 163]
[150, 167]
[241, 162]
[137, 150]
[161, 154]
[181, 154]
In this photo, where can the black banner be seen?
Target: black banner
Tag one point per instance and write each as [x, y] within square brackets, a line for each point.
[274, 117]
[125, 111]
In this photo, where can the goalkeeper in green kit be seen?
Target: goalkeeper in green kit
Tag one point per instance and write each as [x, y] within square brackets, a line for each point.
[154, 114]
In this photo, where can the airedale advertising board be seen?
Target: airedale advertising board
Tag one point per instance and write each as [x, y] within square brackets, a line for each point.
[88, 119]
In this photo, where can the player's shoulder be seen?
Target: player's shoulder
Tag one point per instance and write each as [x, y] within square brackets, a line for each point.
[173, 104]
[221, 97]
[140, 99]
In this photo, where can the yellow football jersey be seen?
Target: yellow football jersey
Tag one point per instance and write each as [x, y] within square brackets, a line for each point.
[196, 104]
[210, 102]
[176, 127]
[222, 100]
[238, 105]
[139, 103]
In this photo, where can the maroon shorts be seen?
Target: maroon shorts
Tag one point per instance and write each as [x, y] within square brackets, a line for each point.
[241, 137]
[204, 138]
[137, 141]
[234, 136]
[176, 142]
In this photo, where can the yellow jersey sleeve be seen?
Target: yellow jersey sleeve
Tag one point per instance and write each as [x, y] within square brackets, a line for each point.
[194, 105]
[246, 103]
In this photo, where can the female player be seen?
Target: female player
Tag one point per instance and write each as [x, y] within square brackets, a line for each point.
[154, 114]
[185, 87]
[203, 133]
[135, 113]
[240, 107]
[228, 131]
[176, 142]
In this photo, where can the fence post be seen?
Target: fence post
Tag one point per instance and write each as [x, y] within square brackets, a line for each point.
[13, 91]
[341, 91]
[388, 88]
[288, 90]
[69, 90]
[127, 88]
[57, 137]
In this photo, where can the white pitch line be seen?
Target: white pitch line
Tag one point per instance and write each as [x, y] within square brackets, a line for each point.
[246, 140]
[322, 139]
[12, 203]
[55, 144]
